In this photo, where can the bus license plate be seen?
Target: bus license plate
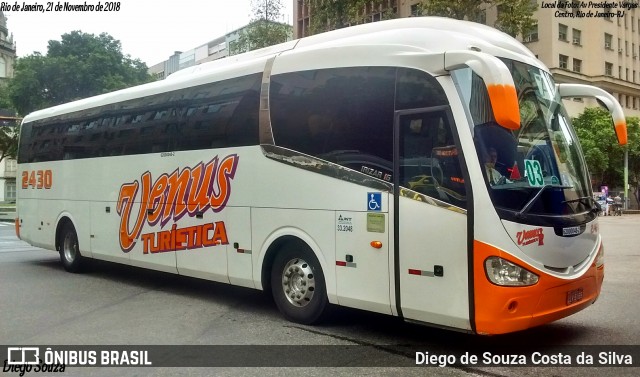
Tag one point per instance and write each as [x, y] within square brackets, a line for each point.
[574, 296]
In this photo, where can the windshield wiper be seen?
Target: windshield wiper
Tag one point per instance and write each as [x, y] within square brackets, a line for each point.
[529, 204]
[588, 201]
[579, 200]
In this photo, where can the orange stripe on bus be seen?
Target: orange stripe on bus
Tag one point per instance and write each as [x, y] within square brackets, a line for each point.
[621, 133]
[500, 310]
[504, 102]
[18, 228]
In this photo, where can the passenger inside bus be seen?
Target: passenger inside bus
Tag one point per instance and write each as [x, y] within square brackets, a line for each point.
[493, 175]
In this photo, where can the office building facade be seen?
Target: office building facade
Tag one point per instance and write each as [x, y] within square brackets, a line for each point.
[8, 166]
[576, 46]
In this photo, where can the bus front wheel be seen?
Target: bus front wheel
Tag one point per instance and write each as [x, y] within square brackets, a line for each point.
[298, 285]
[69, 251]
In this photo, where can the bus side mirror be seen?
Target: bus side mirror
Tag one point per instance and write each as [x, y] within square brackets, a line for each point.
[605, 99]
[498, 80]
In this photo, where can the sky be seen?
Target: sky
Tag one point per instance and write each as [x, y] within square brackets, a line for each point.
[150, 30]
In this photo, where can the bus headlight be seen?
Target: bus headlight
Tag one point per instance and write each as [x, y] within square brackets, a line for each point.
[503, 272]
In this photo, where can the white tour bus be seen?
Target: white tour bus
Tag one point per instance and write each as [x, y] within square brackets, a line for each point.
[424, 168]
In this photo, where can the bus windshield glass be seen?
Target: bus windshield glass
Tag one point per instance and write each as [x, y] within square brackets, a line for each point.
[535, 174]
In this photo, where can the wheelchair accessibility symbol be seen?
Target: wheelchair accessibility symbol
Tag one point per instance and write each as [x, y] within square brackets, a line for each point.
[374, 201]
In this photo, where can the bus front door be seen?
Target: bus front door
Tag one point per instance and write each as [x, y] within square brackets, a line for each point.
[430, 220]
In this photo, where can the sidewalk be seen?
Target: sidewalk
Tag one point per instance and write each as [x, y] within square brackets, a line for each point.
[7, 212]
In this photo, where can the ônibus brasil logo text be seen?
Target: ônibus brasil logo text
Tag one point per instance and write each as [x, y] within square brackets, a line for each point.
[189, 191]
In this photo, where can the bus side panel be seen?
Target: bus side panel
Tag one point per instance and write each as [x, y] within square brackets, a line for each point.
[35, 204]
[362, 259]
[104, 233]
[315, 228]
[27, 209]
[303, 203]
[205, 255]
[240, 258]
[432, 239]
[43, 206]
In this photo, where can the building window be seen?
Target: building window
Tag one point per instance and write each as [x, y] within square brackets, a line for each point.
[562, 32]
[619, 46]
[626, 74]
[608, 41]
[482, 17]
[532, 36]
[577, 65]
[608, 69]
[10, 191]
[415, 10]
[633, 51]
[620, 72]
[577, 36]
[626, 48]
[633, 24]
[627, 102]
[634, 75]
[635, 103]
[11, 166]
[563, 61]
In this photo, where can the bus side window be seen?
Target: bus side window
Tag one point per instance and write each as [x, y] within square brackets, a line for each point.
[429, 161]
[342, 115]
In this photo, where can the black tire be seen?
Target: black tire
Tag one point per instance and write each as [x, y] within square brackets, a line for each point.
[297, 270]
[69, 250]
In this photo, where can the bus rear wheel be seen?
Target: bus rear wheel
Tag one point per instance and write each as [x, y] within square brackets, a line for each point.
[70, 255]
[298, 285]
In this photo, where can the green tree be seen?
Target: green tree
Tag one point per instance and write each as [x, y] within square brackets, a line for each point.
[633, 132]
[604, 156]
[9, 129]
[5, 101]
[80, 65]
[264, 29]
[514, 16]
[337, 14]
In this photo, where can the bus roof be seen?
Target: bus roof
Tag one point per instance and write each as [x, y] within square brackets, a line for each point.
[427, 34]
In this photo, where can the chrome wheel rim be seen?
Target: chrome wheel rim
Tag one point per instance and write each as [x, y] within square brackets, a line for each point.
[69, 248]
[298, 282]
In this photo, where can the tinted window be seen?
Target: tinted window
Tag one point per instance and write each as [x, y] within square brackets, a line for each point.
[222, 114]
[429, 161]
[343, 115]
[416, 89]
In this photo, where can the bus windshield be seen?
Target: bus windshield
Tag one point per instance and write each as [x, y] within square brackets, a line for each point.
[535, 174]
